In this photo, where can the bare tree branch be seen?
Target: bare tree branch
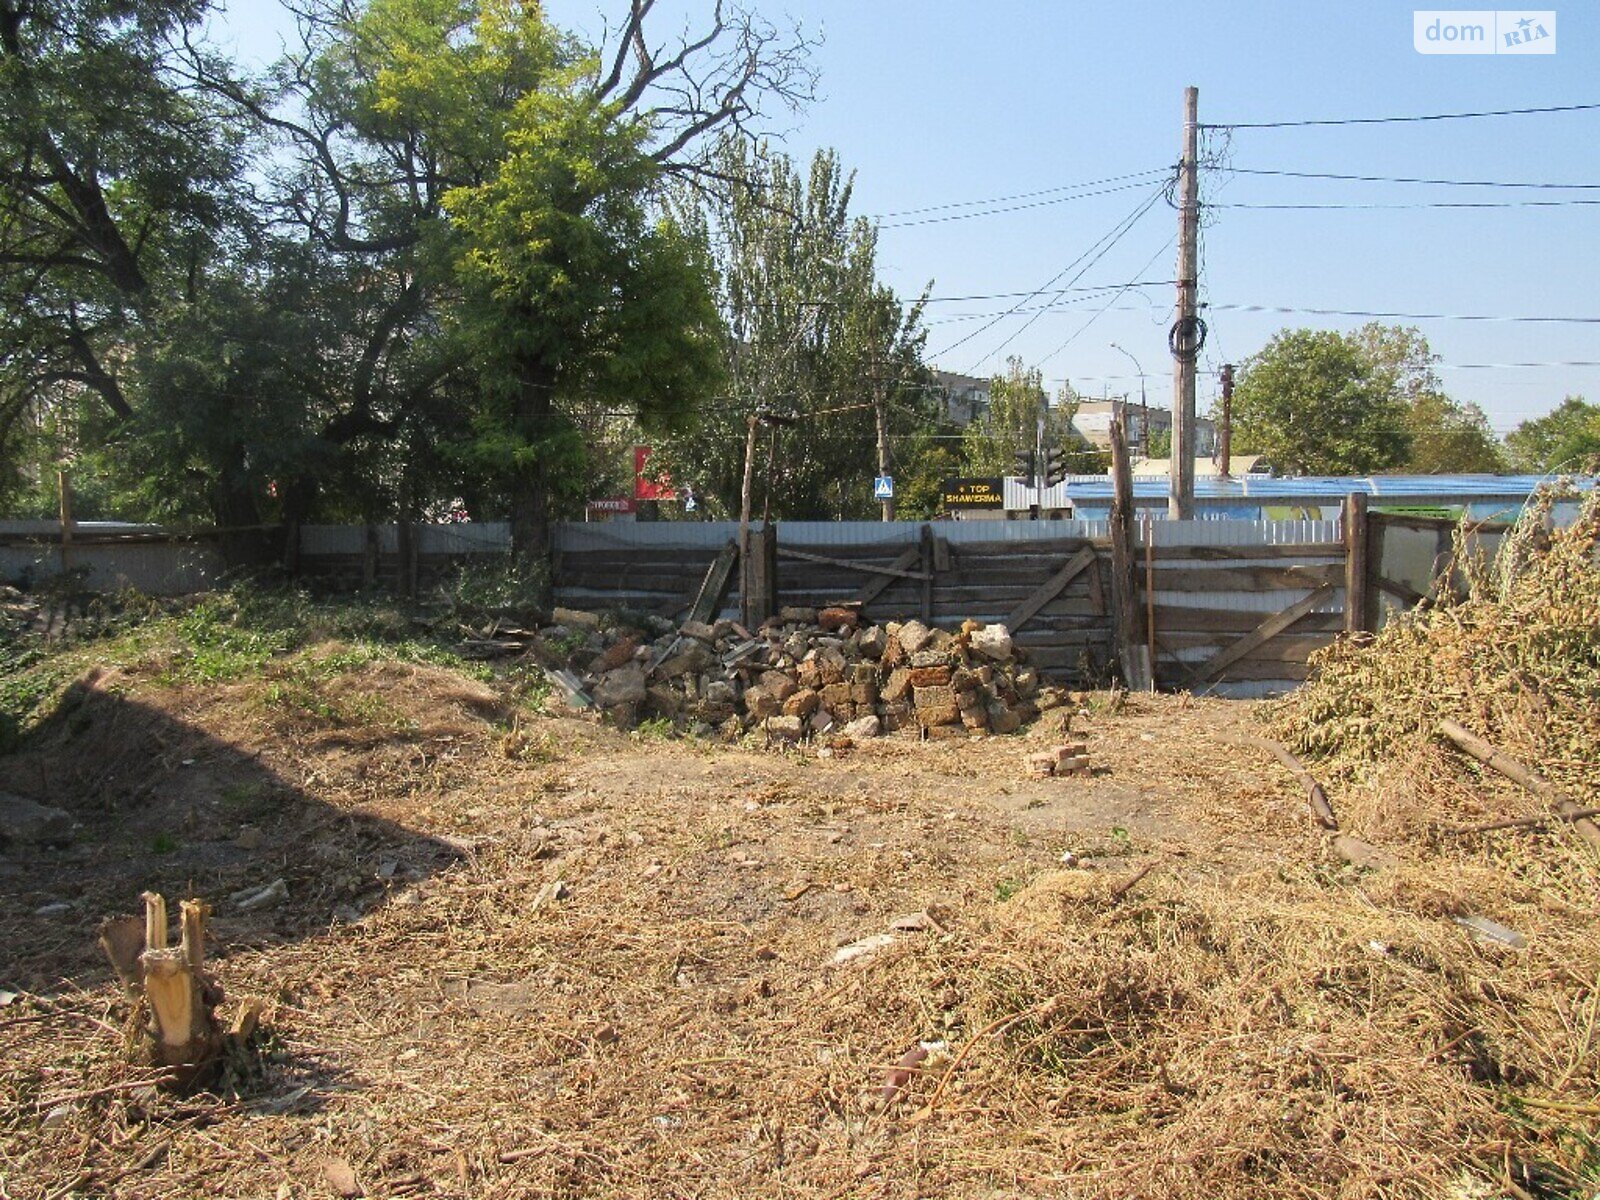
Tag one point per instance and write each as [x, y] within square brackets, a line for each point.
[712, 82]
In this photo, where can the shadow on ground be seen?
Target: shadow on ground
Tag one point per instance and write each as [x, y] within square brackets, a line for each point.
[162, 805]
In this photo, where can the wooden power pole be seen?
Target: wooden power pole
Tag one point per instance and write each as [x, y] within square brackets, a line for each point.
[1185, 340]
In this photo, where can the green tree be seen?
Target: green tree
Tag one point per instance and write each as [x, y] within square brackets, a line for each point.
[808, 332]
[1445, 436]
[1315, 403]
[1448, 437]
[118, 196]
[925, 459]
[1566, 439]
[1009, 427]
[494, 183]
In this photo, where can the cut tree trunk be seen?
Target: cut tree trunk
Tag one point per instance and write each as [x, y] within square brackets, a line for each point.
[177, 1025]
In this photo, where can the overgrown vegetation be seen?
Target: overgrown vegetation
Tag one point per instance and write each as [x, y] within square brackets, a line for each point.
[293, 640]
[1516, 659]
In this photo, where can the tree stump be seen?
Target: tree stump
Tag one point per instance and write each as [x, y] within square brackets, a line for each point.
[175, 1022]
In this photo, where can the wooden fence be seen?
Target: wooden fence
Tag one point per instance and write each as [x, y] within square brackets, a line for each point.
[1232, 606]
[1239, 614]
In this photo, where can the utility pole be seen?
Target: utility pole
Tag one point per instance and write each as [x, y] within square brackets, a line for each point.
[881, 410]
[1185, 336]
[1225, 442]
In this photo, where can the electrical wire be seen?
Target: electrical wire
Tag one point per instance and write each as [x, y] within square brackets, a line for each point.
[1468, 183]
[1580, 362]
[990, 212]
[1406, 316]
[1456, 116]
[1568, 203]
[1075, 333]
[1122, 225]
[1065, 187]
[1097, 251]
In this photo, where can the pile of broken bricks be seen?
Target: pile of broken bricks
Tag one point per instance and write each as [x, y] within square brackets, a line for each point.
[809, 673]
[1070, 758]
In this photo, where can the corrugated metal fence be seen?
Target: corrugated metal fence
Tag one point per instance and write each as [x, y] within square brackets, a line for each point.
[1234, 606]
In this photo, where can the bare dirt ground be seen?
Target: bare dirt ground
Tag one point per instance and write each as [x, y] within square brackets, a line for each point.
[530, 956]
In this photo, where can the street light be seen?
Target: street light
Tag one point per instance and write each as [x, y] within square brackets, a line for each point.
[1144, 407]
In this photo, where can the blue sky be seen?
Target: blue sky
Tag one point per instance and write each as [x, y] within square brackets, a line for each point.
[944, 102]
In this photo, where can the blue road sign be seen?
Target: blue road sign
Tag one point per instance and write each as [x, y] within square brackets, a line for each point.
[883, 487]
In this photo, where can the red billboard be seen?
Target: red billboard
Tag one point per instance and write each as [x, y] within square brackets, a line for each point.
[657, 487]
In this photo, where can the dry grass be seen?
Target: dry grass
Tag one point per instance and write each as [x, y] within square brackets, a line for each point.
[1250, 1018]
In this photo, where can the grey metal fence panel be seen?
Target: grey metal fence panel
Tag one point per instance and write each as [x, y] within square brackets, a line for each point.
[155, 568]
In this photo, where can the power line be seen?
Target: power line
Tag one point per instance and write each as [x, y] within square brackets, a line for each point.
[1405, 316]
[1580, 362]
[1065, 187]
[990, 212]
[1472, 183]
[1072, 337]
[1389, 207]
[1025, 296]
[1104, 243]
[1455, 116]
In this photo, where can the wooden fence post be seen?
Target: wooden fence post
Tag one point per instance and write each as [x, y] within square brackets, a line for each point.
[927, 556]
[291, 547]
[1355, 563]
[762, 577]
[1136, 673]
[64, 482]
[406, 537]
[1149, 529]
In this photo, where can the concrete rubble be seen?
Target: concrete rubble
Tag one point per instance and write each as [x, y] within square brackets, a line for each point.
[806, 673]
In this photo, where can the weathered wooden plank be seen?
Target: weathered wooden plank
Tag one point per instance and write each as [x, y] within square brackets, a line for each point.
[871, 567]
[1223, 554]
[665, 605]
[1271, 627]
[1097, 591]
[1355, 564]
[1137, 671]
[1246, 579]
[1406, 595]
[1245, 671]
[1000, 608]
[1069, 661]
[1033, 548]
[646, 580]
[707, 602]
[1050, 588]
[925, 558]
[1177, 618]
[703, 556]
[1283, 648]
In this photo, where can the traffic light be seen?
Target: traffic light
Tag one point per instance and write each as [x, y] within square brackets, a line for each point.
[1055, 465]
[1024, 464]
